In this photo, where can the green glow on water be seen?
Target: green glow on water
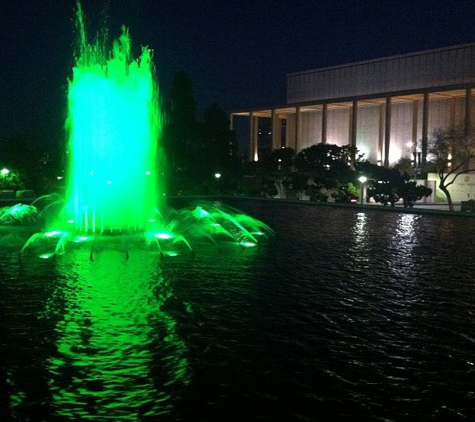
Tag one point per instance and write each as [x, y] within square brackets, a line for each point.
[117, 353]
[114, 180]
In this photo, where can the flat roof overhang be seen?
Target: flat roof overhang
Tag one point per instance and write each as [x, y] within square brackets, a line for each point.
[368, 100]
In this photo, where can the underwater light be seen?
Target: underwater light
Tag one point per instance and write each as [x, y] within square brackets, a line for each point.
[53, 233]
[163, 235]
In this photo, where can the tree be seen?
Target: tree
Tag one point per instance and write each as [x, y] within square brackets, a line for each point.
[389, 185]
[327, 166]
[217, 150]
[410, 192]
[180, 123]
[346, 192]
[277, 171]
[10, 179]
[385, 184]
[405, 167]
[28, 163]
[450, 154]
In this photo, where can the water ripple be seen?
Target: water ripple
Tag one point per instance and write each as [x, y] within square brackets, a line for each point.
[346, 316]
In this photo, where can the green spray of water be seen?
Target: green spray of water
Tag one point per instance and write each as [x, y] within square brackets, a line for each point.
[115, 180]
[114, 125]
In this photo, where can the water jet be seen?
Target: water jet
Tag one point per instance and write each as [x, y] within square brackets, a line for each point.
[115, 181]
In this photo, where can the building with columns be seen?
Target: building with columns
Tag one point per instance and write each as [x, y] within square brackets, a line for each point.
[388, 107]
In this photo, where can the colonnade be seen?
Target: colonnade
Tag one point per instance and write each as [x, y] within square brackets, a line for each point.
[297, 132]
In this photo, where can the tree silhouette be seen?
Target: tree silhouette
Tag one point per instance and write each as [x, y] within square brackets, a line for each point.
[450, 154]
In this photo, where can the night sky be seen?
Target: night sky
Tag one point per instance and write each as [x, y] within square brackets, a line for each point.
[236, 53]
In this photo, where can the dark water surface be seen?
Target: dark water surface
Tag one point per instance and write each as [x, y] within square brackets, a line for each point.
[344, 315]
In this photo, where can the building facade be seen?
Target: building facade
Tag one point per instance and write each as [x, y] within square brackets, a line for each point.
[388, 108]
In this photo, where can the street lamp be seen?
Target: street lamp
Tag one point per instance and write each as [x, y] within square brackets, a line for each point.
[4, 172]
[362, 180]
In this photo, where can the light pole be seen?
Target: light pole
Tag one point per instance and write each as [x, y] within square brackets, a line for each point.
[217, 184]
[362, 180]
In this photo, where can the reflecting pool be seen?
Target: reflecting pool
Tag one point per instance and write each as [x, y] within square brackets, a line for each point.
[344, 314]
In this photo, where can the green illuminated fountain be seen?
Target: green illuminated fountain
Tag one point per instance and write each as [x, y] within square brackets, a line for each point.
[114, 126]
[115, 173]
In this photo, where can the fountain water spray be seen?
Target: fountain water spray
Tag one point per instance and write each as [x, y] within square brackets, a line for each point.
[114, 127]
[115, 173]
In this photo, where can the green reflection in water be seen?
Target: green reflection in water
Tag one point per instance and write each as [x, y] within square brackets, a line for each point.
[119, 355]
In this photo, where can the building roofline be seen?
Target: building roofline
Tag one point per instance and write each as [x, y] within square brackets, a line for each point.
[258, 109]
[380, 59]
[336, 100]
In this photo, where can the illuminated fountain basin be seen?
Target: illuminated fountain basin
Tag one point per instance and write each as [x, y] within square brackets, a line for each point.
[179, 231]
[115, 174]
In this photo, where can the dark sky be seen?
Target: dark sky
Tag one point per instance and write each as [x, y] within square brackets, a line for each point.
[237, 53]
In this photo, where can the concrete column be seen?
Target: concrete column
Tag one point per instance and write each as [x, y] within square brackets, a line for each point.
[381, 134]
[276, 130]
[415, 118]
[452, 114]
[387, 132]
[324, 122]
[297, 129]
[468, 111]
[353, 123]
[415, 114]
[251, 135]
[425, 128]
[254, 136]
